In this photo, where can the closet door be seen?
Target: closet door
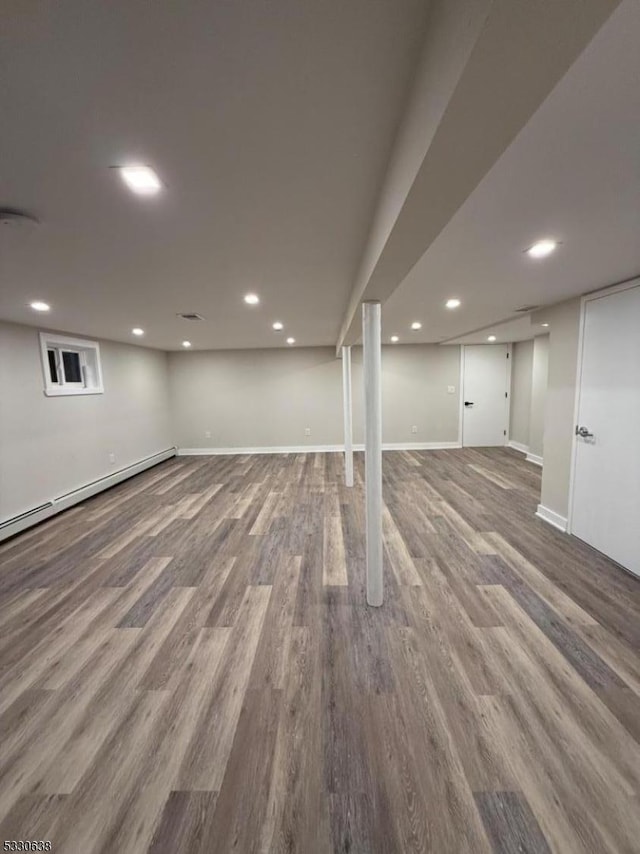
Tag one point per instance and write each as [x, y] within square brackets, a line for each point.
[606, 486]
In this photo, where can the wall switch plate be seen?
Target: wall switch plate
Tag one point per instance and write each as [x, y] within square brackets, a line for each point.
[307, 431]
[207, 435]
[112, 458]
[451, 389]
[414, 429]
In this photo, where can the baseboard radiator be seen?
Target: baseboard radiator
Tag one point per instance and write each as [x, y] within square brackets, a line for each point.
[16, 524]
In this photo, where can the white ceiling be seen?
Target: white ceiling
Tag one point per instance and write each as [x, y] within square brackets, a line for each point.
[270, 123]
[572, 173]
[521, 328]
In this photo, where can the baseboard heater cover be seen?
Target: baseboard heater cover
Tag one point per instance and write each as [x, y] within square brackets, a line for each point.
[22, 521]
[26, 515]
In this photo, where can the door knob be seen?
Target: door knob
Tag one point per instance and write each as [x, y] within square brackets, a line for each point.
[583, 431]
[468, 403]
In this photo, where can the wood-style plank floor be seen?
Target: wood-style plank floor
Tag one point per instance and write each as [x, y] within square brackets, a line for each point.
[188, 665]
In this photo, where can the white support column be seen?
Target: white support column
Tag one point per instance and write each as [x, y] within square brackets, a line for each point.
[346, 408]
[372, 355]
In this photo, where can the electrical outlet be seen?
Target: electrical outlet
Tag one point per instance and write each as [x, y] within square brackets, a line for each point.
[307, 431]
[414, 429]
[112, 458]
[207, 435]
[451, 389]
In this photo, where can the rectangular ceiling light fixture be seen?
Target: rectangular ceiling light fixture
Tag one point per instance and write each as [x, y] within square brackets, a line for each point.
[141, 180]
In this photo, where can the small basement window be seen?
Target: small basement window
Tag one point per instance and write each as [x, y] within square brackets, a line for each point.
[70, 365]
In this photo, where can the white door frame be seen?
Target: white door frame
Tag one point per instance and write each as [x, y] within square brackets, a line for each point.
[461, 389]
[461, 395]
[507, 437]
[605, 292]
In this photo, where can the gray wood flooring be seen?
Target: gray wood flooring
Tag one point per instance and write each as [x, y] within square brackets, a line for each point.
[187, 665]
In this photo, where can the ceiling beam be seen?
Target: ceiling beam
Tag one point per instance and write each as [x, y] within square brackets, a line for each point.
[486, 66]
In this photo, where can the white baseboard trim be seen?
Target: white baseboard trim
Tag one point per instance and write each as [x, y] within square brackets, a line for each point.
[551, 517]
[25, 520]
[518, 446]
[315, 449]
[534, 458]
[285, 449]
[419, 446]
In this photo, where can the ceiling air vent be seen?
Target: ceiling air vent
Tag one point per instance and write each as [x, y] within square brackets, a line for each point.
[526, 308]
[190, 315]
[16, 219]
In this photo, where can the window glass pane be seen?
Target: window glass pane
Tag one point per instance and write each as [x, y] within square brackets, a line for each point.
[70, 365]
[71, 362]
[53, 366]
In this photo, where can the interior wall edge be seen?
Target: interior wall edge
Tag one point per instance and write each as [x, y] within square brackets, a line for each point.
[560, 400]
[552, 518]
[518, 446]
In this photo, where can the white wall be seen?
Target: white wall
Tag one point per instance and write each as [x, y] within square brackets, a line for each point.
[256, 398]
[267, 398]
[52, 445]
[539, 383]
[564, 322]
[529, 375]
[521, 377]
[414, 393]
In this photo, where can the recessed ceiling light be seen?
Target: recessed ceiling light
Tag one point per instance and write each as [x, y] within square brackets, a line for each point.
[291, 340]
[454, 302]
[137, 331]
[278, 326]
[545, 325]
[252, 299]
[394, 339]
[416, 325]
[141, 180]
[491, 338]
[38, 305]
[542, 248]
[186, 344]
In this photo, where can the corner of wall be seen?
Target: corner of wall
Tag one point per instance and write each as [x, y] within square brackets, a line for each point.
[558, 438]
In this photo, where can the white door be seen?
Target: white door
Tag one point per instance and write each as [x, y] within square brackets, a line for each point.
[606, 484]
[486, 371]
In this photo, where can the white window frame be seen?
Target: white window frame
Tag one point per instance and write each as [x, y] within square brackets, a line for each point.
[89, 353]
